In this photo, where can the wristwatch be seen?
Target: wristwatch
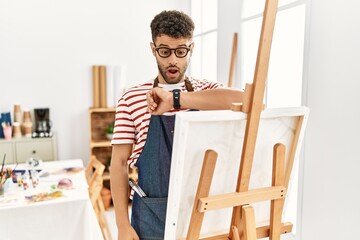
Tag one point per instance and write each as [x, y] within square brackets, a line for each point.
[176, 98]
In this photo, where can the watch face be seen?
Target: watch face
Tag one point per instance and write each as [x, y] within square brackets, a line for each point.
[176, 98]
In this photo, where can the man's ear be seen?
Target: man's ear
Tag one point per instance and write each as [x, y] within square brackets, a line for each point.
[191, 48]
[152, 45]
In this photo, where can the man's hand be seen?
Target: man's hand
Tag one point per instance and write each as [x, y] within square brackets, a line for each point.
[159, 101]
[127, 233]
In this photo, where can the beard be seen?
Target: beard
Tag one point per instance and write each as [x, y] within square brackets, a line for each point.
[181, 73]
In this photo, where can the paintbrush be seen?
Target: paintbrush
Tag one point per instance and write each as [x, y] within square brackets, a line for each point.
[2, 167]
[15, 166]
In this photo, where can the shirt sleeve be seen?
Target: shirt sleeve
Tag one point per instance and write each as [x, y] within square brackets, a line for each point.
[200, 85]
[124, 128]
[213, 85]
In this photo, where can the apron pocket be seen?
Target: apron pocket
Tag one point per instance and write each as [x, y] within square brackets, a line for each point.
[148, 217]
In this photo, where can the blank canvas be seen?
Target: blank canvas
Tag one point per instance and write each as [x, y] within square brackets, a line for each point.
[223, 131]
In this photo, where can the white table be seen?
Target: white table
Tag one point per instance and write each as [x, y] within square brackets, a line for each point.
[68, 217]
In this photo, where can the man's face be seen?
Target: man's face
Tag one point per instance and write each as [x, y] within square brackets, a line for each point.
[172, 68]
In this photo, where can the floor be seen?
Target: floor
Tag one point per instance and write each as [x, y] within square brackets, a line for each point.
[110, 213]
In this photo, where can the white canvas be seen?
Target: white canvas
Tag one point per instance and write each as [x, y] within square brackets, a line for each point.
[223, 131]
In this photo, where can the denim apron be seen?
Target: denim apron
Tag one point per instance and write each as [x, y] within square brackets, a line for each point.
[149, 213]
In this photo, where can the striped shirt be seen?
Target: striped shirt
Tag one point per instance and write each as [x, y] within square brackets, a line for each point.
[132, 118]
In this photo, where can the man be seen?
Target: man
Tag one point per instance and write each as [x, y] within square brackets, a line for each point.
[143, 138]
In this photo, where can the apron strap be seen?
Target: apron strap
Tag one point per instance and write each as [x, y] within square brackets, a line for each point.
[188, 85]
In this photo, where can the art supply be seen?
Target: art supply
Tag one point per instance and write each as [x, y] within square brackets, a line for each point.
[26, 116]
[25, 180]
[6, 117]
[119, 81]
[2, 167]
[137, 189]
[65, 183]
[102, 82]
[34, 178]
[32, 162]
[13, 174]
[1, 129]
[15, 166]
[96, 86]
[17, 113]
[27, 129]
[16, 130]
[19, 179]
[7, 129]
[27, 125]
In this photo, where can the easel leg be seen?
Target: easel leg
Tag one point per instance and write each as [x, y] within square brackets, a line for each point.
[235, 233]
[203, 190]
[248, 223]
[278, 179]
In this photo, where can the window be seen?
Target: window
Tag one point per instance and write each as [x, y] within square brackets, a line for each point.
[204, 59]
[284, 82]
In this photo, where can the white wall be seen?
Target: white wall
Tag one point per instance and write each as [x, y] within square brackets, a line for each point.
[47, 49]
[331, 196]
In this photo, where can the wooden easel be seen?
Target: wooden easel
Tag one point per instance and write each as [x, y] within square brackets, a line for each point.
[94, 176]
[233, 60]
[243, 220]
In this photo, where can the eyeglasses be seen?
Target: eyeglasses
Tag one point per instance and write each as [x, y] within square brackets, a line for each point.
[179, 52]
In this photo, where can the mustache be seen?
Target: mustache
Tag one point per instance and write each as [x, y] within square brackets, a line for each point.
[172, 66]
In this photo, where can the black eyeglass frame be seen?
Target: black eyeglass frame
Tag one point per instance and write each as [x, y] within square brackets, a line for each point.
[188, 48]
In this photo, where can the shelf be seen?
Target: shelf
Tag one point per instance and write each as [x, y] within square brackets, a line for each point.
[101, 110]
[100, 145]
[106, 176]
[19, 150]
[105, 143]
[26, 139]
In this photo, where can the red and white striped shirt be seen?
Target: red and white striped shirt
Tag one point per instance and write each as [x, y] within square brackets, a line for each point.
[132, 118]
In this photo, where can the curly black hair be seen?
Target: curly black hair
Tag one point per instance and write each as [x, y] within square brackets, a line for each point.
[173, 23]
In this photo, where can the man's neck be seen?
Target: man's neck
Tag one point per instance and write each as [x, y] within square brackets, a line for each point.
[171, 87]
[162, 80]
